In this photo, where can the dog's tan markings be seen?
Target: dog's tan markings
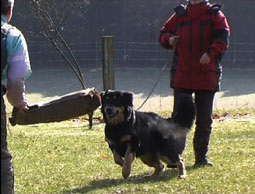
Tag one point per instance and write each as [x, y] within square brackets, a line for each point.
[180, 165]
[109, 141]
[117, 158]
[153, 161]
[126, 138]
[182, 171]
[118, 118]
[158, 168]
[127, 165]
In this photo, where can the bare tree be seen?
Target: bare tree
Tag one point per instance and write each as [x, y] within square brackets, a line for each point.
[52, 15]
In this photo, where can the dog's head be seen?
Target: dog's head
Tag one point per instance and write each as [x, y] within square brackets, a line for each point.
[116, 106]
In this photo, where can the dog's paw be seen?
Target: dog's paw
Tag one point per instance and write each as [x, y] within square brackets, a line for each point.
[184, 176]
[126, 172]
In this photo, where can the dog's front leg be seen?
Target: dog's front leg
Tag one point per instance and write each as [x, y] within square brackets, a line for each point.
[127, 165]
[117, 158]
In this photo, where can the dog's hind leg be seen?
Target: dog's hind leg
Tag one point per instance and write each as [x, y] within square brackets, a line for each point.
[127, 165]
[158, 168]
[153, 161]
[182, 170]
[179, 164]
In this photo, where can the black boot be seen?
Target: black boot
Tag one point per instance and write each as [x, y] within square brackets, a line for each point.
[201, 146]
[203, 162]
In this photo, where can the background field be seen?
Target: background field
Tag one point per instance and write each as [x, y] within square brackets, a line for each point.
[68, 157]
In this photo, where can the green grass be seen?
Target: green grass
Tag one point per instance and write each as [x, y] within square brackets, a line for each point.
[68, 157]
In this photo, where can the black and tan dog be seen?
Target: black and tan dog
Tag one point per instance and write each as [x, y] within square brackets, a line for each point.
[146, 135]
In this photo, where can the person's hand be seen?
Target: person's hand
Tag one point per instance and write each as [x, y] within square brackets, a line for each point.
[23, 107]
[205, 59]
[173, 40]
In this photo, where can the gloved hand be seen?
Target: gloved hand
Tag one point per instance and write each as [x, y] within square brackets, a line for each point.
[173, 40]
[205, 59]
[23, 107]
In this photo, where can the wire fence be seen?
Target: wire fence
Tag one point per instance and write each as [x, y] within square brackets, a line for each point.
[137, 54]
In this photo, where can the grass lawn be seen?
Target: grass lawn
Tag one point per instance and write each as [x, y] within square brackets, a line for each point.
[68, 157]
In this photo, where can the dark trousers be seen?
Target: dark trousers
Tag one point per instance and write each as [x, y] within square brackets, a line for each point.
[7, 175]
[204, 108]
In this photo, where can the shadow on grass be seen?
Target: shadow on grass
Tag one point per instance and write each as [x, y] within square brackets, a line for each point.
[94, 185]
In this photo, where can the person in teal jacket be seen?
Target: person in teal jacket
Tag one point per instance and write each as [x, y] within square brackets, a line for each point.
[15, 68]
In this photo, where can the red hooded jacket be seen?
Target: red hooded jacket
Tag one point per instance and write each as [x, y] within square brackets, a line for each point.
[201, 28]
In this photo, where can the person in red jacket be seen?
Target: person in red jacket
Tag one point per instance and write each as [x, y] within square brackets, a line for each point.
[199, 34]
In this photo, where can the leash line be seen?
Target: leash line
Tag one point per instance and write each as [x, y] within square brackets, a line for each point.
[156, 83]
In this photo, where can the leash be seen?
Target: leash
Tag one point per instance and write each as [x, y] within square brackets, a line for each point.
[160, 75]
[157, 81]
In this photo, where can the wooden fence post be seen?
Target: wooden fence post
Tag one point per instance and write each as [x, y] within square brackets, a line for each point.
[108, 62]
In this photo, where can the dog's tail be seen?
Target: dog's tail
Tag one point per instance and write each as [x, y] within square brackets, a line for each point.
[186, 111]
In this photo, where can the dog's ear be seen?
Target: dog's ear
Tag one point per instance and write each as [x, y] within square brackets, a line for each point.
[128, 98]
[109, 91]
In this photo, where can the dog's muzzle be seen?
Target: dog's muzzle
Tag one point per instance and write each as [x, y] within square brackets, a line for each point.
[110, 111]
